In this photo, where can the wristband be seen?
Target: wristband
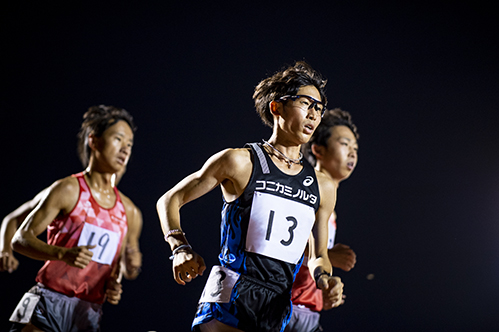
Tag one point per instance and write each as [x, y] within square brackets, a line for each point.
[318, 275]
[172, 232]
[176, 250]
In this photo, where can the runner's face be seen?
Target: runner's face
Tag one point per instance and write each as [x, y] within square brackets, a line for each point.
[296, 119]
[339, 158]
[114, 147]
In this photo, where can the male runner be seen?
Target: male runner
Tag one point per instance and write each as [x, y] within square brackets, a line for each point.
[333, 149]
[89, 223]
[272, 204]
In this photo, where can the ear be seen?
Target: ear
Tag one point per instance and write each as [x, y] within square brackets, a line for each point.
[275, 107]
[92, 141]
[318, 151]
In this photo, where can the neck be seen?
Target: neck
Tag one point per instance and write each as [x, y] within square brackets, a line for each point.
[319, 168]
[99, 180]
[289, 149]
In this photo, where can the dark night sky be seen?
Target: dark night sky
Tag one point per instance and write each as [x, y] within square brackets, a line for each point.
[420, 80]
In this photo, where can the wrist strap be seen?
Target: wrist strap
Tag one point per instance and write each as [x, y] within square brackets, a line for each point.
[318, 275]
[176, 250]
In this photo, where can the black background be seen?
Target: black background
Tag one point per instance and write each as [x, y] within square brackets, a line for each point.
[420, 80]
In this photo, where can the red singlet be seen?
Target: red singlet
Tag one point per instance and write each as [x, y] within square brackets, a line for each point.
[87, 224]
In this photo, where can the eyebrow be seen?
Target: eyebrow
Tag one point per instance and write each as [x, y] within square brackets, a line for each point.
[348, 139]
[119, 133]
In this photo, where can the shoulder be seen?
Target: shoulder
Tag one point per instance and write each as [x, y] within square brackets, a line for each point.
[127, 202]
[66, 186]
[233, 156]
[326, 183]
[130, 208]
[62, 194]
[229, 161]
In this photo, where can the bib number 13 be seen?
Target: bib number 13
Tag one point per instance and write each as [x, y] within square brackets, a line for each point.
[290, 229]
[278, 227]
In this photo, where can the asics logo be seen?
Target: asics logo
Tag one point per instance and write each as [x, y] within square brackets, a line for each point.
[308, 181]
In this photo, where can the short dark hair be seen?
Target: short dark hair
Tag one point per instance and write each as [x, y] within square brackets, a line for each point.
[95, 121]
[332, 118]
[286, 82]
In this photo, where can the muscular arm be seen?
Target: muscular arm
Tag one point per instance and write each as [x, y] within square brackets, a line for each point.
[61, 198]
[9, 226]
[231, 169]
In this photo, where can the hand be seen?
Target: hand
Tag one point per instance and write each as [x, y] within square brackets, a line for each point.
[187, 265]
[342, 256]
[78, 256]
[8, 262]
[332, 291]
[113, 290]
[133, 262]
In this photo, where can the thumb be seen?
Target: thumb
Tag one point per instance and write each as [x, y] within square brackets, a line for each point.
[90, 246]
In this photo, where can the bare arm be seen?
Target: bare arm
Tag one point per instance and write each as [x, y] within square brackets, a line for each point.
[342, 256]
[9, 226]
[228, 168]
[132, 257]
[61, 198]
[319, 264]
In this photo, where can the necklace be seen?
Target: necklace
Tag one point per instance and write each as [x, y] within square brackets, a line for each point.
[288, 160]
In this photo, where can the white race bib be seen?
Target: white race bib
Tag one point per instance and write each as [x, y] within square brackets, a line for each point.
[219, 285]
[25, 307]
[106, 242]
[279, 227]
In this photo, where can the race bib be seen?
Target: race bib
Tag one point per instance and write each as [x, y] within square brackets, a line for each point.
[331, 232]
[219, 285]
[24, 310]
[106, 242]
[279, 227]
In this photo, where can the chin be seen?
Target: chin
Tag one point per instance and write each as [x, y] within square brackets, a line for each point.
[346, 176]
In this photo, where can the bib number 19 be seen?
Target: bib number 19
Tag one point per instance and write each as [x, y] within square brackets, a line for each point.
[105, 240]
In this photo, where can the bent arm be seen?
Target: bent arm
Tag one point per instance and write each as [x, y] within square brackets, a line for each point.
[9, 226]
[132, 257]
[61, 198]
[222, 168]
[213, 173]
[319, 263]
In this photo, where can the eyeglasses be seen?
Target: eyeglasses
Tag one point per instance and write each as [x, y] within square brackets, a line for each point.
[306, 103]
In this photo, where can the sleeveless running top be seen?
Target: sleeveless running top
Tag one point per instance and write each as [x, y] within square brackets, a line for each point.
[87, 224]
[264, 232]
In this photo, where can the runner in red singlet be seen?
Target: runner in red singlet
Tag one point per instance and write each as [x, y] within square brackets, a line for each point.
[89, 224]
[333, 149]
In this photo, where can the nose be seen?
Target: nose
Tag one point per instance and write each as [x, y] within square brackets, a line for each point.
[352, 152]
[126, 148]
[313, 114]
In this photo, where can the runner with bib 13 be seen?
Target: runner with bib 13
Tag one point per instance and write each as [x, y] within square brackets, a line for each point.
[272, 207]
